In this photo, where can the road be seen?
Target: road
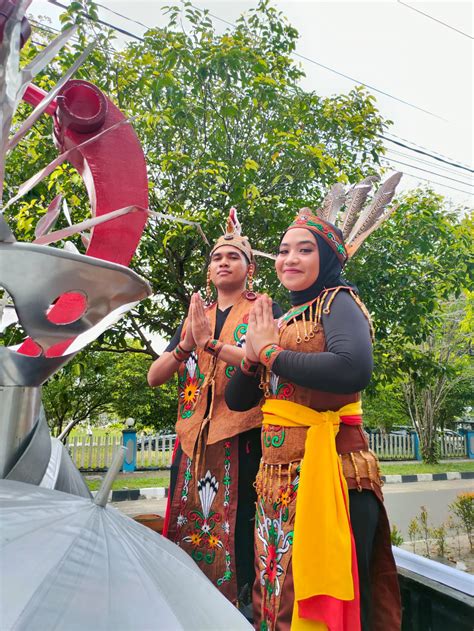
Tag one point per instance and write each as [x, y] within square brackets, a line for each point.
[403, 502]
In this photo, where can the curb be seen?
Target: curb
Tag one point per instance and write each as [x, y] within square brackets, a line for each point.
[428, 477]
[160, 492]
[125, 495]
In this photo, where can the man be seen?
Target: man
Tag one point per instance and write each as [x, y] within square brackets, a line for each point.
[211, 506]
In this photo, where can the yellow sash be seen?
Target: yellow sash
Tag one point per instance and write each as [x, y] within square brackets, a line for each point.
[322, 552]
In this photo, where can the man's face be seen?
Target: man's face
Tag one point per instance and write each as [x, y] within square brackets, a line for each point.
[228, 267]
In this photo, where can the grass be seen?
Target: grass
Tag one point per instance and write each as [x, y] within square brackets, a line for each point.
[132, 481]
[142, 480]
[389, 468]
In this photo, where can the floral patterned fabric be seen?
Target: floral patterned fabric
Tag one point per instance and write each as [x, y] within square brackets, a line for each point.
[274, 523]
[203, 513]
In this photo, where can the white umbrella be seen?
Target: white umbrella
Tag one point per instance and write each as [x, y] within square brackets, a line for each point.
[67, 563]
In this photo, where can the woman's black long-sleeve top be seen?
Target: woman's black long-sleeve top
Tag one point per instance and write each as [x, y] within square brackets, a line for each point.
[345, 367]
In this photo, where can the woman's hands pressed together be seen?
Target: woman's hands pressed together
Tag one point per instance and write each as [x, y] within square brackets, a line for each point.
[262, 330]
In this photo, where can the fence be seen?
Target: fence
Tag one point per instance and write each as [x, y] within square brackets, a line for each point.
[453, 446]
[95, 452]
[393, 446]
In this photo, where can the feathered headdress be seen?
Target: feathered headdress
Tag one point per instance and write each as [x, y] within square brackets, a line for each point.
[356, 222]
[233, 236]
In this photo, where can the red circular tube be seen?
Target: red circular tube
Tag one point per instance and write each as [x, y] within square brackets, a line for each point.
[82, 107]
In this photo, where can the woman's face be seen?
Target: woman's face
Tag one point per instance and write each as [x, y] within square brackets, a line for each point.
[297, 264]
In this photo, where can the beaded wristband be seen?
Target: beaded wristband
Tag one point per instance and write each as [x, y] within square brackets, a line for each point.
[213, 347]
[268, 354]
[180, 354]
[248, 367]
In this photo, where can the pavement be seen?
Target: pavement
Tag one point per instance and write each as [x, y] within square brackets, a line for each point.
[403, 501]
[141, 506]
[162, 492]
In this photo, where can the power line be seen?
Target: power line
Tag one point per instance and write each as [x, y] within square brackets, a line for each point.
[367, 85]
[313, 61]
[47, 29]
[446, 177]
[421, 161]
[432, 151]
[341, 74]
[432, 155]
[435, 19]
[419, 177]
[425, 153]
[102, 6]
[112, 26]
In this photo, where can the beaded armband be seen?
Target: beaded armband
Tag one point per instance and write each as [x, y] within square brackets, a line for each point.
[268, 354]
[249, 367]
[180, 354]
[213, 347]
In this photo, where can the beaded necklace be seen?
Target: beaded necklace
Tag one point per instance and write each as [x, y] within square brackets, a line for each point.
[310, 316]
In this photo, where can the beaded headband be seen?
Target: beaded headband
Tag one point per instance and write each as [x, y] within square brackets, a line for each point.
[306, 219]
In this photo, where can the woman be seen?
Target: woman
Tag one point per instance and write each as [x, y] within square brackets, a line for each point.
[321, 528]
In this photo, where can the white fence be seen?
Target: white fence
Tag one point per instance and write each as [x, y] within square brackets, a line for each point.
[95, 452]
[453, 446]
[393, 446]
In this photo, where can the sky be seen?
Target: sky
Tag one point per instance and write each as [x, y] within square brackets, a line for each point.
[417, 52]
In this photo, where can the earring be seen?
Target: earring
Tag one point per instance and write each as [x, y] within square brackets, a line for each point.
[208, 287]
[249, 293]
[250, 278]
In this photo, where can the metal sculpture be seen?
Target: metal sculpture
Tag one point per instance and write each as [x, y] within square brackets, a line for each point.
[62, 299]
[70, 562]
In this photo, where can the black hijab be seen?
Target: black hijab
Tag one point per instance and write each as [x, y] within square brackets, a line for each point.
[330, 272]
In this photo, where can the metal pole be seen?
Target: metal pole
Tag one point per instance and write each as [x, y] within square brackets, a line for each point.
[103, 493]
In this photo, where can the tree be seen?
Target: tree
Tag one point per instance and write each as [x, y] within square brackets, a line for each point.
[446, 354]
[80, 391]
[97, 383]
[407, 273]
[223, 122]
[132, 396]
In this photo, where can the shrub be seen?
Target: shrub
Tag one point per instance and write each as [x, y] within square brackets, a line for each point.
[396, 536]
[463, 508]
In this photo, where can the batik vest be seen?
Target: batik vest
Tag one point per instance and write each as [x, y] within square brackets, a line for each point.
[202, 379]
[284, 445]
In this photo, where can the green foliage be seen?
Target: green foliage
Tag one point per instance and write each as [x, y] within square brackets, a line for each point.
[79, 391]
[413, 532]
[97, 383]
[439, 535]
[396, 536]
[223, 122]
[463, 508]
[425, 529]
[385, 407]
[132, 397]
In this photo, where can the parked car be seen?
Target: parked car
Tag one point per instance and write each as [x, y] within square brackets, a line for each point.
[154, 443]
[401, 430]
[146, 442]
[448, 433]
